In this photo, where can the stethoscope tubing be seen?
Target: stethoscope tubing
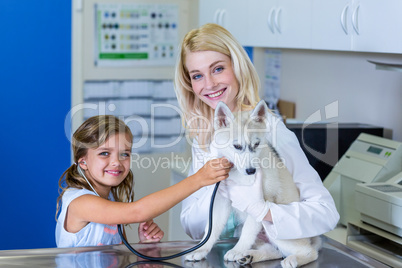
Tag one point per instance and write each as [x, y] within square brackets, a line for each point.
[119, 227]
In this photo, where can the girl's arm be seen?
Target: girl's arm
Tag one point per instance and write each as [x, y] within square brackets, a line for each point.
[90, 208]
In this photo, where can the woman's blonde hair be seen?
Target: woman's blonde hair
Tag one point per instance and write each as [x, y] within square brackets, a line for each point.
[90, 135]
[199, 116]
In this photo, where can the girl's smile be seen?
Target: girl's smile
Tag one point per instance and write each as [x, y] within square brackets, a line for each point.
[212, 78]
[113, 172]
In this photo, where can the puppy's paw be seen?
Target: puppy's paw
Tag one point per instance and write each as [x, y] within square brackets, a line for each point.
[289, 262]
[234, 255]
[245, 260]
[197, 255]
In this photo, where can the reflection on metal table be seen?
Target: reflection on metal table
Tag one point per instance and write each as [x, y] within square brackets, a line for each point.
[333, 254]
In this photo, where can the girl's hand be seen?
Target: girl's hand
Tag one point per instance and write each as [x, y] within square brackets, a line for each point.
[213, 171]
[149, 232]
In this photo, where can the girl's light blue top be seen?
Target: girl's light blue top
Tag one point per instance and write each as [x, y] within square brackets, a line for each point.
[93, 234]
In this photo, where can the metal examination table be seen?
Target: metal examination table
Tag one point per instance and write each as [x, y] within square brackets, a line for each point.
[333, 254]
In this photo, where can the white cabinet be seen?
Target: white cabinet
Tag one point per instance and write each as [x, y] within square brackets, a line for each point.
[231, 14]
[280, 23]
[331, 24]
[357, 25]
[210, 11]
[346, 25]
[379, 26]
[263, 23]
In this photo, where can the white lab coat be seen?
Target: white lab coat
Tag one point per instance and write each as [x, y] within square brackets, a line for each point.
[315, 214]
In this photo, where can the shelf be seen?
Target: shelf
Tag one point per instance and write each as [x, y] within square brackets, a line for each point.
[376, 243]
[386, 66]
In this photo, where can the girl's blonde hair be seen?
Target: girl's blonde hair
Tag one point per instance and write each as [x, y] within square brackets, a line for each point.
[199, 116]
[90, 135]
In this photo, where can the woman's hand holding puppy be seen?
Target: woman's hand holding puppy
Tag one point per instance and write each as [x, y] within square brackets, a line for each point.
[248, 198]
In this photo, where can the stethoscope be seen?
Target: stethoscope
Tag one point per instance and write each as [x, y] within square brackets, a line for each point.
[119, 227]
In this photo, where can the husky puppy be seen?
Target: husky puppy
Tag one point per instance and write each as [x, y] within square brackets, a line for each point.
[241, 138]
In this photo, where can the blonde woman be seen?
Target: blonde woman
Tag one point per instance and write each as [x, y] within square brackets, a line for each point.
[212, 67]
[97, 190]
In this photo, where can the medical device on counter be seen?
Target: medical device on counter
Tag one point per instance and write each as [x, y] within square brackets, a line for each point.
[380, 204]
[369, 159]
[378, 234]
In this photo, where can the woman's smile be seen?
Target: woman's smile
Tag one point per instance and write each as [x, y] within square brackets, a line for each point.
[216, 94]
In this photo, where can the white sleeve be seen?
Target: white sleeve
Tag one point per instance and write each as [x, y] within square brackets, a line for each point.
[195, 208]
[316, 213]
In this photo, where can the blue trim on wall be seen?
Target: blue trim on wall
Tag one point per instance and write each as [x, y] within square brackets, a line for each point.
[250, 52]
[35, 81]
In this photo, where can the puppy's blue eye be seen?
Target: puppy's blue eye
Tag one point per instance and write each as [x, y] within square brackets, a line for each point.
[256, 144]
[237, 146]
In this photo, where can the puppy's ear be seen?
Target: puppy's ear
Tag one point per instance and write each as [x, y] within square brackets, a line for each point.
[223, 116]
[260, 112]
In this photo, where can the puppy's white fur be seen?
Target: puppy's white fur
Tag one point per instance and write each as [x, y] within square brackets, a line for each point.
[241, 138]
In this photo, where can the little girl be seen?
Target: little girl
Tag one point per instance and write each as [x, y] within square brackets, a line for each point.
[97, 190]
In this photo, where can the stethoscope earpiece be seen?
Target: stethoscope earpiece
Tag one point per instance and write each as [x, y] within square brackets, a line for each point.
[83, 175]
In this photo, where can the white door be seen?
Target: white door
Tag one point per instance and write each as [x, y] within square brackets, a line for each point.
[280, 23]
[209, 11]
[231, 14]
[233, 17]
[294, 18]
[378, 26]
[262, 15]
[331, 24]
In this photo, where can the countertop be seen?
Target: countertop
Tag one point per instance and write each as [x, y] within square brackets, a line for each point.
[333, 254]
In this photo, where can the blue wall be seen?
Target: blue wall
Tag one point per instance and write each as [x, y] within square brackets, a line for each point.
[35, 88]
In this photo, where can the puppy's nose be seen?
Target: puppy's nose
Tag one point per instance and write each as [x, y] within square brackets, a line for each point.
[250, 171]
